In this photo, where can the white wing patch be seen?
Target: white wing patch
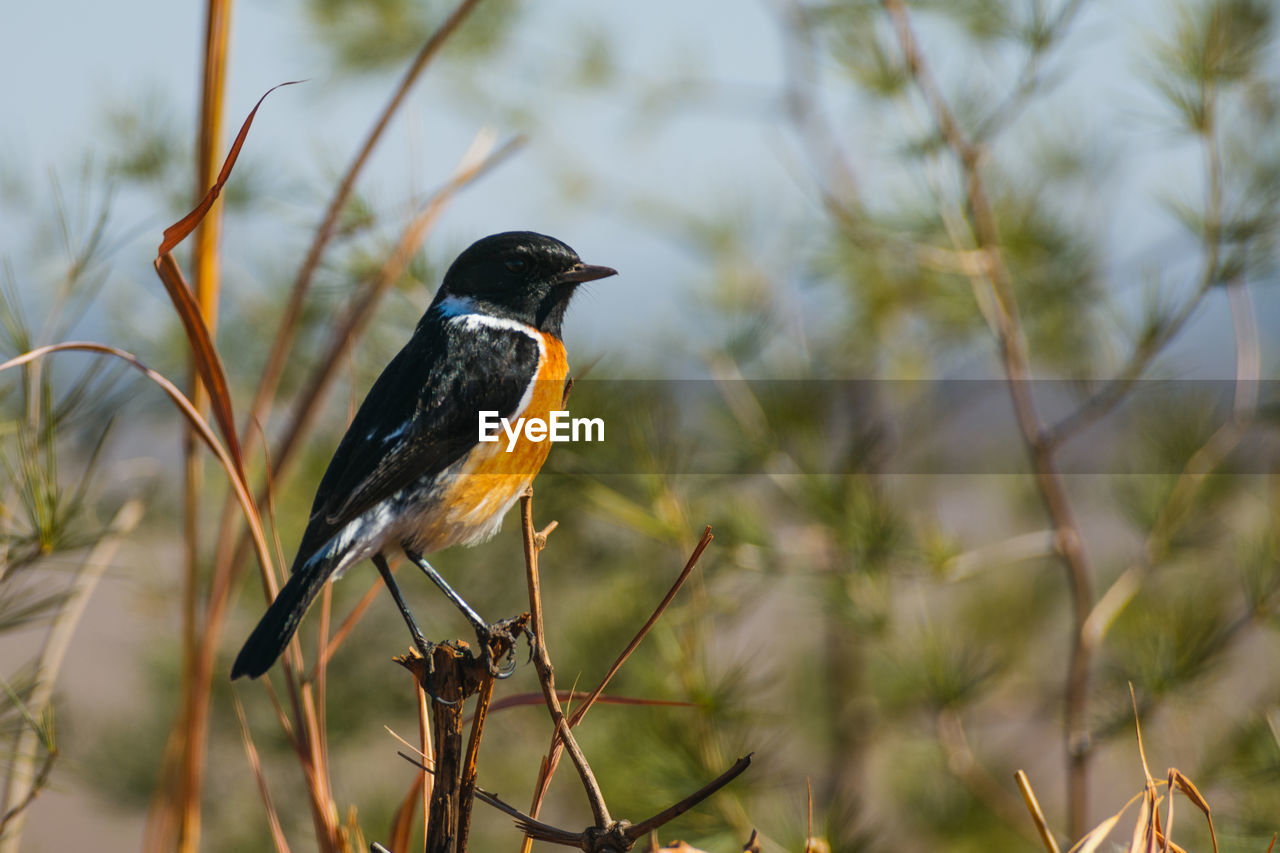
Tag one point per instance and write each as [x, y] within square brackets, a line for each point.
[359, 539]
[391, 436]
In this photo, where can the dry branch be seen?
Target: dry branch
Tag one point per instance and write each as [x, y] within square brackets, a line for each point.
[453, 676]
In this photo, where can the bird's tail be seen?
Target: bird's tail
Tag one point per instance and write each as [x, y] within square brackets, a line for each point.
[274, 630]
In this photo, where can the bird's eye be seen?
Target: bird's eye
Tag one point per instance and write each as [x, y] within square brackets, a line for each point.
[517, 265]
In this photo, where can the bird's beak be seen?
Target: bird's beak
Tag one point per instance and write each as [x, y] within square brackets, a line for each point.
[584, 272]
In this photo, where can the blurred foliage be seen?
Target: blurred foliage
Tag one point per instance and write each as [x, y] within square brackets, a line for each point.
[828, 629]
[366, 36]
[56, 495]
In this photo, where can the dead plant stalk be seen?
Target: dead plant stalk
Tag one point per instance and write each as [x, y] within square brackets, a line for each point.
[994, 278]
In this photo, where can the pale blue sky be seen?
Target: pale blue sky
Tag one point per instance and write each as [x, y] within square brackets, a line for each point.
[65, 63]
[68, 62]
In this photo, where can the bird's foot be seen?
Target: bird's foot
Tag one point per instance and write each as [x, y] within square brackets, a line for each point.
[501, 636]
[425, 648]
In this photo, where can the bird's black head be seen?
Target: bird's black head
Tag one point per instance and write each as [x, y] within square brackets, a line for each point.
[519, 275]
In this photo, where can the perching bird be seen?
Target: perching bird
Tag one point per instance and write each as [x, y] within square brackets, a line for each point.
[411, 473]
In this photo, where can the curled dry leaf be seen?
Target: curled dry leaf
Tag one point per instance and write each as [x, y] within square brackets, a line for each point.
[178, 231]
[1179, 780]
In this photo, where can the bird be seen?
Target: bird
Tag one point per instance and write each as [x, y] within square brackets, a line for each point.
[410, 472]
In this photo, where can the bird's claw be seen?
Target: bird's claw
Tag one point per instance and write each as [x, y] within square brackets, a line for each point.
[499, 630]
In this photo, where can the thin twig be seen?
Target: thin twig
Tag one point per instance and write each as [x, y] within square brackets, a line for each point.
[321, 682]
[597, 837]
[667, 815]
[518, 700]
[581, 711]
[1029, 78]
[1114, 391]
[546, 673]
[556, 748]
[347, 625]
[531, 826]
[808, 830]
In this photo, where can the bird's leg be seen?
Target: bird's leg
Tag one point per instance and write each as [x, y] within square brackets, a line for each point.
[423, 645]
[485, 631]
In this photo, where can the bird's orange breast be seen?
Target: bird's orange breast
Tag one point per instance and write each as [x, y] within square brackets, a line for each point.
[493, 459]
[491, 478]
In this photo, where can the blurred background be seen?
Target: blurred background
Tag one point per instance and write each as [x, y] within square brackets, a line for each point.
[840, 228]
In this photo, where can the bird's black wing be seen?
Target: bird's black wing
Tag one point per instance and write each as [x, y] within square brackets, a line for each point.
[420, 416]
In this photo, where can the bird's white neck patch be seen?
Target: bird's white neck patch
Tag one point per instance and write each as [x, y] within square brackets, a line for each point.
[463, 309]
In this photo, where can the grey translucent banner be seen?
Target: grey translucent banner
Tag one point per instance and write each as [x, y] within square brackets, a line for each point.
[830, 427]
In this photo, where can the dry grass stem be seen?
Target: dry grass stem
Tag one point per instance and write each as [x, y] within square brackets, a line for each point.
[336, 639]
[255, 764]
[287, 328]
[519, 700]
[1037, 815]
[402, 821]
[1148, 835]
